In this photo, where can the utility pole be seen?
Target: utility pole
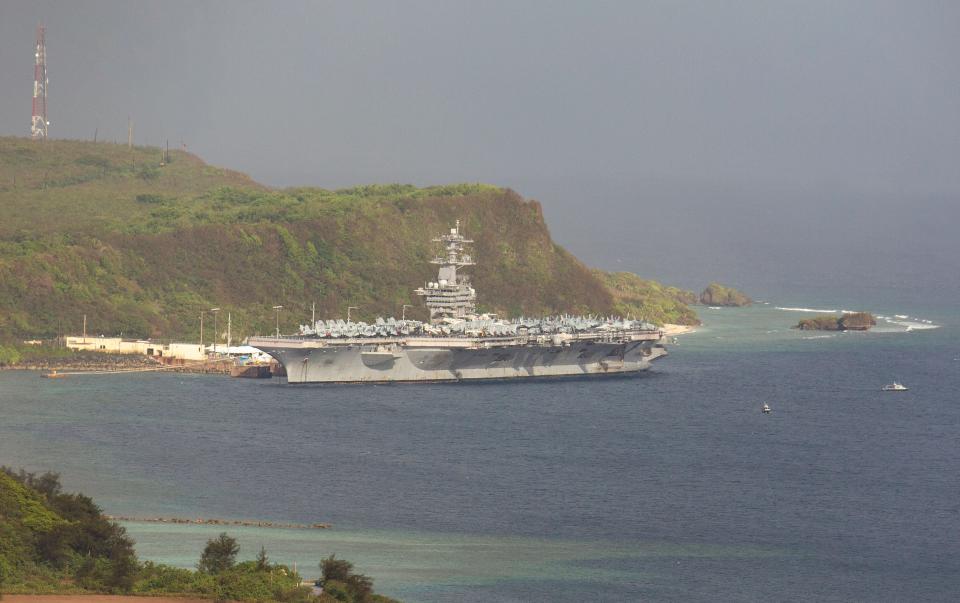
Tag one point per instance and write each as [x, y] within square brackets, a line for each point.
[313, 315]
[39, 125]
[277, 309]
[348, 312]
[201, 331]
[129, 133]
[228, 332]
[84, 328]
[403, 312]
[216, 333]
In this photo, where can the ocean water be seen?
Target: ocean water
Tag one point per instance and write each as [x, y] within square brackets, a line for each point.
[670, 485]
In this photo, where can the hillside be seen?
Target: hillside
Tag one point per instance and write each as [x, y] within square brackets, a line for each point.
[640, 298]
[142, 249]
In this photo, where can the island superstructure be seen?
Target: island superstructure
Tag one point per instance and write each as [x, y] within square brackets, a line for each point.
[458, 344]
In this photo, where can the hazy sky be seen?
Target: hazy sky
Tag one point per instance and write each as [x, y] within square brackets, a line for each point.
[645, 128]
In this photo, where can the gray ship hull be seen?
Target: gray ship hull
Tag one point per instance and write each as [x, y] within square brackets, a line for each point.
[425, 359]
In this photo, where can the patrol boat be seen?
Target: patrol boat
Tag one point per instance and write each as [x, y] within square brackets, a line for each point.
[460, 345]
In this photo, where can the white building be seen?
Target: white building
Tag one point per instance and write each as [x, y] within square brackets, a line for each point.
[117, 345]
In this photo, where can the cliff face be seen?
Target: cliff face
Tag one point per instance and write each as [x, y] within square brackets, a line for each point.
[142, 249]
[858, 321]
[721, 295]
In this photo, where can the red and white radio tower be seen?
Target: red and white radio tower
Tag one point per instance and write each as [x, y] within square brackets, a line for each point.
[39, 125]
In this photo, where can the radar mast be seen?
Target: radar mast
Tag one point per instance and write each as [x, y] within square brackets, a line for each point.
[451, 297]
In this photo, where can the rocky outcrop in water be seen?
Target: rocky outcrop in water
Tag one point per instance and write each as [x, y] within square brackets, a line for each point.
[854, 321]
[721, 295]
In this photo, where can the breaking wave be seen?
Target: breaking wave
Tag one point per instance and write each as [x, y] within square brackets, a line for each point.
[914, 325]
[806, 310]
[886, 322]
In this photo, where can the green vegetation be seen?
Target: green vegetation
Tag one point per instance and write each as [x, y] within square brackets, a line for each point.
[822, 322]
[721, 295]
[105, 231]
[47, 536]
[219, 555]
[854, 321]
[52, 542]
[639, 298]
[341, 583]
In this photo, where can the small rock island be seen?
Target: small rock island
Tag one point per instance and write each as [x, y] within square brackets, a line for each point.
[721, 295]
[853, 321]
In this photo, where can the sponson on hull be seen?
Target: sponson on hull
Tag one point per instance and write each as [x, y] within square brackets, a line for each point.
[458, 344]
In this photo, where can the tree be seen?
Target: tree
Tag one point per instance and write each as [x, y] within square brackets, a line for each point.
[335, 569]
[360, 588]
[219, 555]
[124, 567]
[338, 573]
[4, 571]
[263, 563]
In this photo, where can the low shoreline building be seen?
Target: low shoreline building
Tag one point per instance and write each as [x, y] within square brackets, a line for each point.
[154, 349]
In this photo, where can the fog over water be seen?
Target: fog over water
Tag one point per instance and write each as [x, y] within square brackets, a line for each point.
[778, 146]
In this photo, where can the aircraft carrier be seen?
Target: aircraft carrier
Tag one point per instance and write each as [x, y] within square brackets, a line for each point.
[460, 345]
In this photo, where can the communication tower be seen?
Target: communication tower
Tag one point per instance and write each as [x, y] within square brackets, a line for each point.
[39, 125]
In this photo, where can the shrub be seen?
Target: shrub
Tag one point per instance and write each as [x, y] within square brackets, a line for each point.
[336, 589]
[8, 356]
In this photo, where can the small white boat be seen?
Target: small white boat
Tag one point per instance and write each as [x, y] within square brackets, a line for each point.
[765, 408]
[896, 386]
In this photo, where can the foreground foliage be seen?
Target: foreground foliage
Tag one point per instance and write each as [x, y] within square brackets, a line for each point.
[53, 542]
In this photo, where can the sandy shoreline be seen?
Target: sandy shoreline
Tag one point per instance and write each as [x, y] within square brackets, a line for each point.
[673, 330]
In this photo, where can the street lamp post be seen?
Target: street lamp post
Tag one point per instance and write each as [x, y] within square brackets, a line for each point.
[277, 309]
[215, 332]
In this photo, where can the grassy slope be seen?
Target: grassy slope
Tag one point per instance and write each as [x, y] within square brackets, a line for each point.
[650, 300]
[103, 230]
